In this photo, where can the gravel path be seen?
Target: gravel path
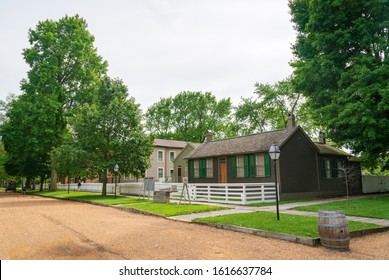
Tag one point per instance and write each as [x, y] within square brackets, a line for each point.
[33, 227]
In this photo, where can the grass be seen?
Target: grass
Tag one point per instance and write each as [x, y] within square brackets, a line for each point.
[371, 207]
[173, 209]
[86, 196]
[163, 209]
[288, 224]
[280, 202]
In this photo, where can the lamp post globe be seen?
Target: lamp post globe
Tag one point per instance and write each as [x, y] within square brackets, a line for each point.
[116, 169]
[274, 153]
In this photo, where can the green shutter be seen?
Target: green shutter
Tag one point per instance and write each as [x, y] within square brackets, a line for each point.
[246, 166]
[266, 160]
[191, 168]
[233, 167]
[253, 167]
[323, 168]
[203, 168]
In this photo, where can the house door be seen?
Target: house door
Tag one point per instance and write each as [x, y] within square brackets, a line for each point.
[222, 171]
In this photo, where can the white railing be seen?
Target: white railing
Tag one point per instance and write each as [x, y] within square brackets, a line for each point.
[233, 193]
[215, 193]
[90, 187]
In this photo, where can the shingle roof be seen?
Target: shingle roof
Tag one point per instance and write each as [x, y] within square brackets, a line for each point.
[254, 143]
[170, 143]
[329, 150]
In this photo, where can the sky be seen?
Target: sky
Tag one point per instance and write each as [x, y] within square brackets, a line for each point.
[160, 48]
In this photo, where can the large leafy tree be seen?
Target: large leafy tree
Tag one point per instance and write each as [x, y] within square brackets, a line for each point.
[188, 116]
[342, 65]
[269, 107]
[109, 131]
[65, 72]
[26, 136]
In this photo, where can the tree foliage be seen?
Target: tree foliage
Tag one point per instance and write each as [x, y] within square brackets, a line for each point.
[342, 66]
[269, 108]
[65, 72]
[109, 131]
[188, 116]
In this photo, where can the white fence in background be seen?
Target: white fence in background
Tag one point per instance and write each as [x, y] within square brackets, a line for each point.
[374, 184]
[215, 193]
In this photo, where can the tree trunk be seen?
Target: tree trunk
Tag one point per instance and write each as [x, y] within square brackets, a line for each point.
[28, 182]
[53, 186]
[41, 184]
[104, 191]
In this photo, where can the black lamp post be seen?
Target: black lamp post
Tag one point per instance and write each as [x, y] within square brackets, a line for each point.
[274, 153]
[116, 169]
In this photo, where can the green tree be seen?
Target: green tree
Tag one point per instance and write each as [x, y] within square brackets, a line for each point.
[23, 136]
[269, 108]
[109, 131]
[69, 160]
[188, 116]
[342, 65]
[65, 72]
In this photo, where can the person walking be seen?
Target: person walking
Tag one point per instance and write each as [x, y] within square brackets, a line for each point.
[79, 185]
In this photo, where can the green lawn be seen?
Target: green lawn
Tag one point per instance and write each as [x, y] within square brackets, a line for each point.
[289, 224]
[173, 209]
[163, 209]
[372, 207]
[86, 196]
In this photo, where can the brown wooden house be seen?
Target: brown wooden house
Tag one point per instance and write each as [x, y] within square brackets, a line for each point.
[305, 168]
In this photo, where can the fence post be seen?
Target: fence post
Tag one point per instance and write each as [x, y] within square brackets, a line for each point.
[244, 197]
[263, 192]
[226, 193]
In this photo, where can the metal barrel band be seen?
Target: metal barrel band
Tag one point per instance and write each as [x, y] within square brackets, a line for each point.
[333, 225]
[335, 239]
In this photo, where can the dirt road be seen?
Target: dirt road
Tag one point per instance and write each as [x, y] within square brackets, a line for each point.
[33, 227]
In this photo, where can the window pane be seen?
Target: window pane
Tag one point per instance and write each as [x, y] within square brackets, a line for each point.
[160, 172]
[160, 155]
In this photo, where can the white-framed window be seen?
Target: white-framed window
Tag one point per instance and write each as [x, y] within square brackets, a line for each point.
[159, 155]
[196, 169]
[172, 156]
[171, 172]
[260, 165]
[160, 173]
[240, 166]
[209, 167]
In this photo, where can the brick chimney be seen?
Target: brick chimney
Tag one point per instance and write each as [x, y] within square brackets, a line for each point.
[209, 137]
[291, 123]
[322, 137]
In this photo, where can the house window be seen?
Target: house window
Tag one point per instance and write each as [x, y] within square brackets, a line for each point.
[160, 173]
[171, 172]
[209, 167]
[172, 156]
[201, 168]
[160, 156]
[330, 168]
[196, 169]
[251, 166]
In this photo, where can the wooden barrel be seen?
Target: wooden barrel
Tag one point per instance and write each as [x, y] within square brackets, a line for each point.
[333, 230]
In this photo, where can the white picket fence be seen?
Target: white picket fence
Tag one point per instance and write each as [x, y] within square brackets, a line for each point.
[241, 194]
[233, 193]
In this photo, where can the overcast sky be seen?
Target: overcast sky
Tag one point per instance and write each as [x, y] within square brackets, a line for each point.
[162, 47]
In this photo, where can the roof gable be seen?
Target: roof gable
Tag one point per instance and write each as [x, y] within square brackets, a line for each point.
[254, 143]
[170, 143]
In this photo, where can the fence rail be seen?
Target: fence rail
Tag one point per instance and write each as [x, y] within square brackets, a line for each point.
[217, 193]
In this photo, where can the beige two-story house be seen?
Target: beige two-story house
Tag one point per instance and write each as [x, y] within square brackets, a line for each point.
[162, 159]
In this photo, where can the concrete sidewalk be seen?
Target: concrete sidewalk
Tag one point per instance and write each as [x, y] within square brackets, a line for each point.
[283, 209]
